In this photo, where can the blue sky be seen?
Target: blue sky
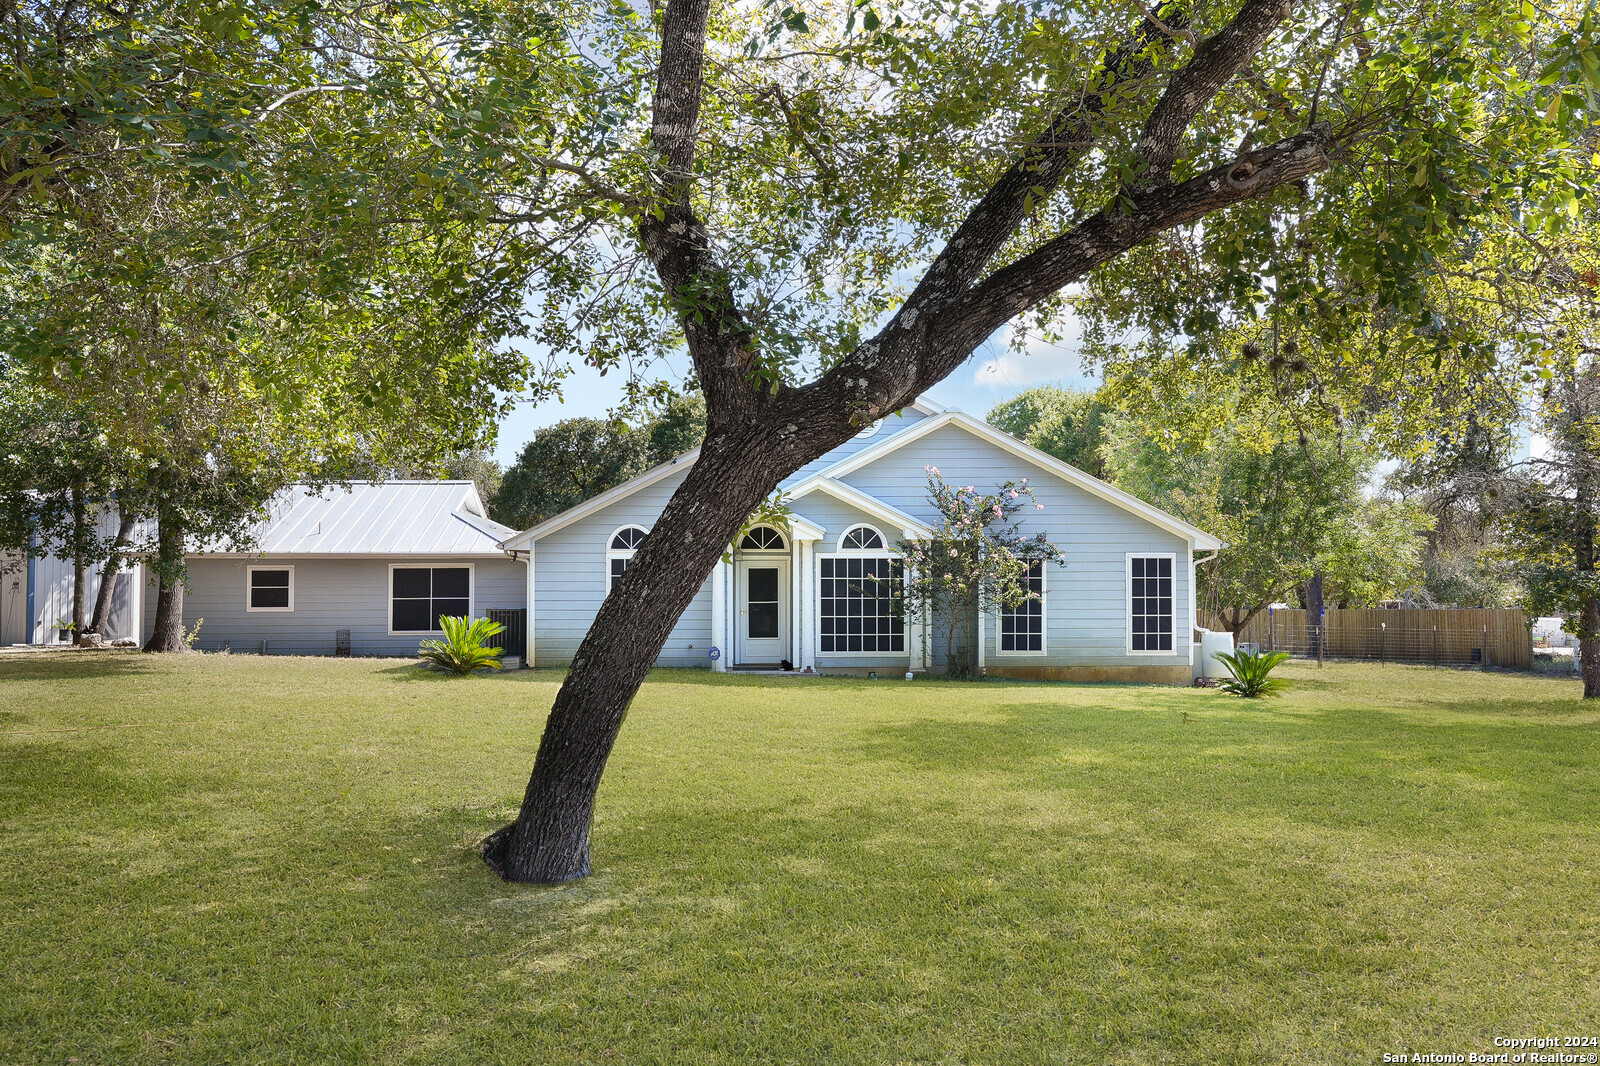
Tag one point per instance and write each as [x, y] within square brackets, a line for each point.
[990, 376]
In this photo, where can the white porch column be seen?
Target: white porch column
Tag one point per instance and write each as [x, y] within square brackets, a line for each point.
[529, 649]
[804, 613]
[983, 638]
[719, 615]
[796, 551]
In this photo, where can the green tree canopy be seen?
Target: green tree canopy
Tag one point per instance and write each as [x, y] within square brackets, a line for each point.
[577, 458]
[1067, 423]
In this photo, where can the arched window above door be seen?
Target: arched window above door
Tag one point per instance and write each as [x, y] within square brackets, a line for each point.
[763, 538]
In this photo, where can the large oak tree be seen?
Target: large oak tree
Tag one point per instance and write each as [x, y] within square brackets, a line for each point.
[831, 205]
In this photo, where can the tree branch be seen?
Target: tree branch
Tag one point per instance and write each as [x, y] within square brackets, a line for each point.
[1110, 232]
[1214, 63]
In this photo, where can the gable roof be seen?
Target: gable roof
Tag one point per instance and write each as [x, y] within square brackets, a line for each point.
[828, 480]
[380, 518]
[588, 507]
[908, 525]
[525, 539]
[1198, 538]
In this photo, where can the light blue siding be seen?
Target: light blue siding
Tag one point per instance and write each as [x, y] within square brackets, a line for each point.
[571, 578]
[330, 594]
[836, 516]
[891, 425]
[1086, 604]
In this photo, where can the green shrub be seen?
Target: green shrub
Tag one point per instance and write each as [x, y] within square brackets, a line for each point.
[464, 648]
[1250, 670]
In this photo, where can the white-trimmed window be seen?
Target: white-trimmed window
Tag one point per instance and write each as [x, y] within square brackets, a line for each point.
[862, 538]
[1150, 603]
[858, 597]
[420, 595]
[619, 551]
[763, 539]
[1022, 626]
[269, 588]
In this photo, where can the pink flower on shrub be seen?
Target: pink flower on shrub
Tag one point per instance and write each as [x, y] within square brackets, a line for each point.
[1038, 507]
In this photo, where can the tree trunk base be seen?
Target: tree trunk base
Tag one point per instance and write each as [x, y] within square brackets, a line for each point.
[496, 851]
[160, 648]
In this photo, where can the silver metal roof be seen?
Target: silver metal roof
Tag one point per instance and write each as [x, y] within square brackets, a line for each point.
[380, 518]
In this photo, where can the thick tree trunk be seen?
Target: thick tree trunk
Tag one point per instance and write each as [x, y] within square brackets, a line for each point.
[1589, 648]
[760, 431]
[80, 562]
[108, 574]
[549, 841]
[168, 629]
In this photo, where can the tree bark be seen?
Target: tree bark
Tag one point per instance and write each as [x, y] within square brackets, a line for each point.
[167, 634]
[549, 841]
[108, 573]
[1315, 608]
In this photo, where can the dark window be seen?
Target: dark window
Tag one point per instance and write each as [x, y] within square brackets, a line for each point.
[1022, 626]
[627, 540]
[761, 602]
[862, 538]
[1150, 591]
[763, 538]
[269, 589]
[860, 605]
[422, 595]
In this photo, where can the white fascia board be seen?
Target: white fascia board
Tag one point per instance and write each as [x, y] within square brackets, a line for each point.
[849, 494]
[605, 499]
[1198, 538]
[802, 528]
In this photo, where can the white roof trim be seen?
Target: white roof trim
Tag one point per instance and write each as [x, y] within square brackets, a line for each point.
[605, 499]
[802, 528]
[1198, 538]
[526, 538]
[849, 494]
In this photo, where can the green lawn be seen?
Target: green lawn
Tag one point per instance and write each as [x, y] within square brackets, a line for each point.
[238, 859]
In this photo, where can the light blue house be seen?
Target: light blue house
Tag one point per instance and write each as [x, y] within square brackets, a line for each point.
[368, 569]
[1120, 608]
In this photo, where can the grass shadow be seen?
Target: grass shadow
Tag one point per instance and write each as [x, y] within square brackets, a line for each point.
[63, 666]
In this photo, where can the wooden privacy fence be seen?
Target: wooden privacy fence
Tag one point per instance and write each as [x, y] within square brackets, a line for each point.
[1488, 636]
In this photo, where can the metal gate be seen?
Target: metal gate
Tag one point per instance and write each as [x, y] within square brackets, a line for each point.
[513, 640]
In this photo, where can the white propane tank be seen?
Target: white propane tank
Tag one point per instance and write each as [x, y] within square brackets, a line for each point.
[1210, 644]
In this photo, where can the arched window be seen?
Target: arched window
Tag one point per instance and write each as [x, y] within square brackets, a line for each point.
[870, 430]
[860, 591]
[861, 538]
[619, 551]
[763, 538]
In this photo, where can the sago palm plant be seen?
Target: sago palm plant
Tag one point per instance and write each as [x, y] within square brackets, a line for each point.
[464, 647]
[1250, 670]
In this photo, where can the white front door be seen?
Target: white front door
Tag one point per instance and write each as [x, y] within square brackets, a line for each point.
[762, 598]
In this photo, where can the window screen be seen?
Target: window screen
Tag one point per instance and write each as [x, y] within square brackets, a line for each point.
[423, 594]
[1150, 589]
[859, 609]
[1022, 626]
